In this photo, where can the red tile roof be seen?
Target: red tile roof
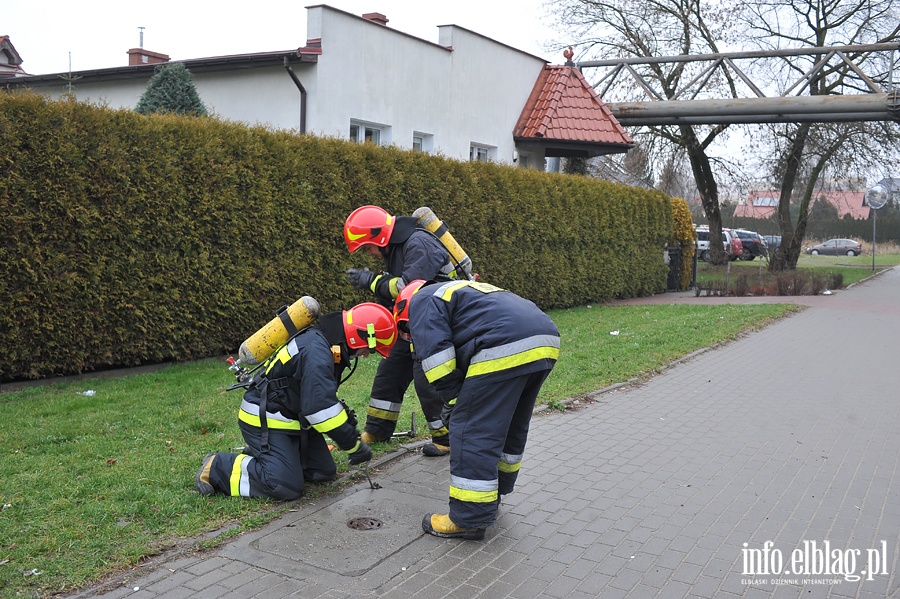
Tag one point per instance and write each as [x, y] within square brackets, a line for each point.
[763, 204]
[759, 204]
[564, 106]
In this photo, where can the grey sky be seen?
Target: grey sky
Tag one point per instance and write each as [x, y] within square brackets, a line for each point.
[97, 34]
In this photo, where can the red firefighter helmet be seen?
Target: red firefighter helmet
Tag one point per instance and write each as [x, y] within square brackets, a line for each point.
[368, 225]
[401, 307]
[370, 326]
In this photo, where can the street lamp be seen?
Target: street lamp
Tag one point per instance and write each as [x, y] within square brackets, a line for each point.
[876, 198]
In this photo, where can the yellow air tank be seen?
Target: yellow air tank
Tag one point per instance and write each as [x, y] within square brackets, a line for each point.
[428, 220]
[263, 343]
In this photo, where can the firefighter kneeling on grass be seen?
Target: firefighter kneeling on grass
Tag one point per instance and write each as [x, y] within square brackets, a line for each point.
[487, 352]
[292, 403]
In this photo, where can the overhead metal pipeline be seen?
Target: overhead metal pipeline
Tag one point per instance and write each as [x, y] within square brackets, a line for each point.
[796, 109]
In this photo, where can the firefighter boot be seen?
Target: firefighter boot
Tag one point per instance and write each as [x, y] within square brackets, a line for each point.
[440, 525]
[368, 438]
[201, 481]
[435, 450]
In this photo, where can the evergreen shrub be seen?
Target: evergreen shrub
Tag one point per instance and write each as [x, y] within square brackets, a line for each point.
[128, 239]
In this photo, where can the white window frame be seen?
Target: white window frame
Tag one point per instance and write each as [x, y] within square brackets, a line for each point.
[365, 131]
[422, 142]
[482, 152]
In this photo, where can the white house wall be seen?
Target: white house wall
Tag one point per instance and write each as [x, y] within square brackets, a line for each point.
[465, 89]
[490, 84]
[260, 96]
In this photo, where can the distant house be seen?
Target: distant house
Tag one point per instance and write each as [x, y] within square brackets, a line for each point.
[764, 204]
[466, 97]
[10, 61]
[892, 186]
[758, 204]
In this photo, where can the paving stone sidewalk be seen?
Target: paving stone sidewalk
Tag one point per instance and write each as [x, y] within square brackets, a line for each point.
[764, 468]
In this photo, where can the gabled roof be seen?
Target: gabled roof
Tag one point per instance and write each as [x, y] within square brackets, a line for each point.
[763, 204]
[10, 61]
[566, 116]
[759, 204]
[847, 202]
[308, 53]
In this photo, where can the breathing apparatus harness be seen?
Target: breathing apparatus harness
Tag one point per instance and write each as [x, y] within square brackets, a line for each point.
[330, 325]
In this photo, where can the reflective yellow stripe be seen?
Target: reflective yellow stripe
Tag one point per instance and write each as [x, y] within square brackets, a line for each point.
[439, 358]
[473, 496]
[328, 419]
[331, 423]
[394, 287]
[446, 291]
[374, 283]
[508, 362]
[283, 355]
[383, 409]
[383, 404]
[240, 480]
[383, 414]
[441, 370]
[253, 420]
[437, 428]
[473, 491]
[509, 463]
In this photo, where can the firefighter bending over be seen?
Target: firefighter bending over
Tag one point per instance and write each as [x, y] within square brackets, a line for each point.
[487, 352]
[292, 403]
[409, 253]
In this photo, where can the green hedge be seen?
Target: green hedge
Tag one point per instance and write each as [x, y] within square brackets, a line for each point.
[130, 239]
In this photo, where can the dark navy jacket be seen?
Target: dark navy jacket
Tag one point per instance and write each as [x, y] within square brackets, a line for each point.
[463, 329]
[300, 390]
[411, 254]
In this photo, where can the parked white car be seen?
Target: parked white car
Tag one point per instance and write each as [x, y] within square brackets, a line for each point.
[733, 246]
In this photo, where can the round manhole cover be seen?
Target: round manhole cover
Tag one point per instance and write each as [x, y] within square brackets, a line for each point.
[365, 523]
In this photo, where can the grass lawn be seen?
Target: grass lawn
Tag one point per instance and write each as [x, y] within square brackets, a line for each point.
[94, 482]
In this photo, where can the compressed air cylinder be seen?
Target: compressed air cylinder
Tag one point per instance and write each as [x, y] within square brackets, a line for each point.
[263, 343]
[428, 220]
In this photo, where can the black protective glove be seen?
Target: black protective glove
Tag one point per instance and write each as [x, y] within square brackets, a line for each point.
[361, 279]
[362, 453]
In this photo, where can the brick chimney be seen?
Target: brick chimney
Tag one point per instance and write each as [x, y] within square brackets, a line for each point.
[140, 56]
[376, 17]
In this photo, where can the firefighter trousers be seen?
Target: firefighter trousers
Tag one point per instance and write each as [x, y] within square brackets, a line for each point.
[488, 430]
[277, 471]
[392, 379]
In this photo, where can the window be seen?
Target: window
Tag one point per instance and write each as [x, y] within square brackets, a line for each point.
[422, 142]
[481, 153]
[362, 132]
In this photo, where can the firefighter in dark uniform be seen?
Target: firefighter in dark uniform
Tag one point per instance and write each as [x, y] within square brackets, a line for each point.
[487, 351]
[409, 253]
[292, 403]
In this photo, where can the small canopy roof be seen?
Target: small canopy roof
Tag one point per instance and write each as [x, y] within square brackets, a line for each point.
[566, 117]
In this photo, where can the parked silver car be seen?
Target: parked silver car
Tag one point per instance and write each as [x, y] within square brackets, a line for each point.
[836, 247]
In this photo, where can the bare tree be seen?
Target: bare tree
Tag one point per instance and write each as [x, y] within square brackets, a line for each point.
[803, 152]
[653, 28]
